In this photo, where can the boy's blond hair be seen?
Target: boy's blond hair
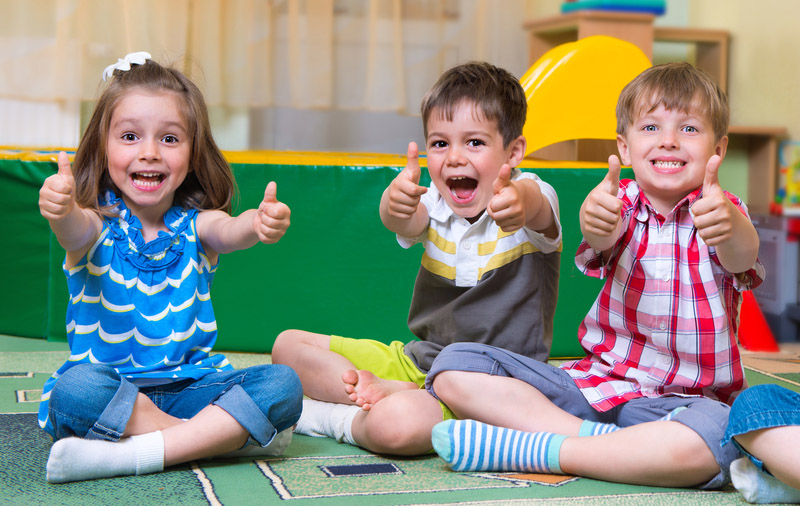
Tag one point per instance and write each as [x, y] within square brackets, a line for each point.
[677, 86]
[496, 93]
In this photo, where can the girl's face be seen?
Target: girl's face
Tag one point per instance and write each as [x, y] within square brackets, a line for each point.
[148, 150]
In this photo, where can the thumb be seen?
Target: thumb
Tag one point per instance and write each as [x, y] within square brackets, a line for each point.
[271, 193]
[612, 178]
[711, 179]
[64, 167]
[503, 179]
[412, 165]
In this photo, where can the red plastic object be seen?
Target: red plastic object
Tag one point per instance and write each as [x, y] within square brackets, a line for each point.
[754, 332]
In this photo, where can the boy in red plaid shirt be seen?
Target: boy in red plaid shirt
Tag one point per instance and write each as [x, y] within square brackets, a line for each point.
[648, 404]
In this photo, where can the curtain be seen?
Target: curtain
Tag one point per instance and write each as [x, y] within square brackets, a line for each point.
[375, 55]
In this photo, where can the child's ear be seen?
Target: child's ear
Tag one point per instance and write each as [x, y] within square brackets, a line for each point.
[516, 151]
[722, 147]
[624, 153]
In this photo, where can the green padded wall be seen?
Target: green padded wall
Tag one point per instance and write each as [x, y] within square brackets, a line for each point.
[337, 270]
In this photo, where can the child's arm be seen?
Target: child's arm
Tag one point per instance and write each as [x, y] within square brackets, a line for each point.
[520, 203]
[399, 209]
[600, 214]
[75, 228]
[720, 223]
[221, 233]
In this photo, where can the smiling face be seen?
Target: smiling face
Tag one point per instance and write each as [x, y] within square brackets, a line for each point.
[148, 150]
[464, 157]
[668, 150]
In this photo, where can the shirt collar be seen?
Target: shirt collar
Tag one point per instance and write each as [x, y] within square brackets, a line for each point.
[645, 208]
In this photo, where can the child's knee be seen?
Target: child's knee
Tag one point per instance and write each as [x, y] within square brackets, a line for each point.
[79, 396]
[283, 342]
[446, 385]
[84, 382]
[275, 388]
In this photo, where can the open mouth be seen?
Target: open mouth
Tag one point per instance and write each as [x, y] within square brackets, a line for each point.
[147, 180]
[462, 188]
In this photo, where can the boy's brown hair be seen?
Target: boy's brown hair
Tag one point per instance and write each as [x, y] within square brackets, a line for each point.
[677, 86]
[496, 93]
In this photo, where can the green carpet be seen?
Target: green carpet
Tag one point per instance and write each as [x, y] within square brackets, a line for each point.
[315, 471]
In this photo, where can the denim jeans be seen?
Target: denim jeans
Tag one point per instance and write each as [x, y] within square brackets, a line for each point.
[707, 417]
[93, 401]
[762, 407]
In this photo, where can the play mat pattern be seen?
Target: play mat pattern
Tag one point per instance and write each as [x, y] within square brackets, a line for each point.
[315, 471]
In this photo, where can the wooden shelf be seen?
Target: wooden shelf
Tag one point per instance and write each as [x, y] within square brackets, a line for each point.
[761, 145]
[711, 49]
[711, 54]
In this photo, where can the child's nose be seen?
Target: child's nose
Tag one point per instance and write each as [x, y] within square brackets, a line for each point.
[668, 139]
[454, 156]
[149, 150]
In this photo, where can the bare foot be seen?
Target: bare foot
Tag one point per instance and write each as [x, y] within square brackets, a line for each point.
[366, 389]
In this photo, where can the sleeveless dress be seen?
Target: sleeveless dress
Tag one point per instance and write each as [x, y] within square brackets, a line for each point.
[142, 308]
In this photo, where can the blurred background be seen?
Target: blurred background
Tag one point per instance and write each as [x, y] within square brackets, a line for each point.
[335, 75]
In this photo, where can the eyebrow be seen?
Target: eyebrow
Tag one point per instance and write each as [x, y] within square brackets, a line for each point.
[168, 125]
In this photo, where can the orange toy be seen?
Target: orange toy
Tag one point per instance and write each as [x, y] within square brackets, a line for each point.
[754, 333]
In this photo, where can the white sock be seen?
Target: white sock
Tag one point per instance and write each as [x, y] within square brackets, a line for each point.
[275, 447]
[75, 459]
[759, 487]
[327, 419]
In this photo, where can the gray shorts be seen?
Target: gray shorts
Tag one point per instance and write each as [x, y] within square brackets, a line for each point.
[707, 417]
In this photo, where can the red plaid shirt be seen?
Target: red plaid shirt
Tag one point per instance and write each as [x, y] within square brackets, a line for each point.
[665, 321]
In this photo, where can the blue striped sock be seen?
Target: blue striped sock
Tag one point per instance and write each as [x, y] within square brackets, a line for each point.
[669, 416]
[589, 428]
[467, 445]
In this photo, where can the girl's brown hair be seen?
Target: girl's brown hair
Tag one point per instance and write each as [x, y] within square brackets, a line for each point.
[209, 183]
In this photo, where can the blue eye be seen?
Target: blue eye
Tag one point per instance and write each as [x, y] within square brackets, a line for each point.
[649, 128]
[690, 129]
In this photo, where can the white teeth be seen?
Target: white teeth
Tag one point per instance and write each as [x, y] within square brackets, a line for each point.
[147, 179]
[458, 178]
[668, 165]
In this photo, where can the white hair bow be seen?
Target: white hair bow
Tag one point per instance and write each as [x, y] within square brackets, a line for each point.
[124, 64]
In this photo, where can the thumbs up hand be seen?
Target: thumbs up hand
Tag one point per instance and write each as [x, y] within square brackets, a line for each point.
[506, 207]
[57, 195]
[404, 192]
[713, 212]
[272, 218]
[601, 210]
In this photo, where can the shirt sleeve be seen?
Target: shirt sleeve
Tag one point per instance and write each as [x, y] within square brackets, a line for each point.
[542, 242]
[752, 277]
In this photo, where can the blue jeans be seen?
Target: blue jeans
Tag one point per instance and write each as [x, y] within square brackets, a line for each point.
[762, 407]
[707, 417]
[93, 401]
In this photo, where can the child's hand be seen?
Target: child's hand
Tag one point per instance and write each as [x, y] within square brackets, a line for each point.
[601, 211]
[713, 213]
[506, 207]
[272, 219]
[404, 192]
[57, 195]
